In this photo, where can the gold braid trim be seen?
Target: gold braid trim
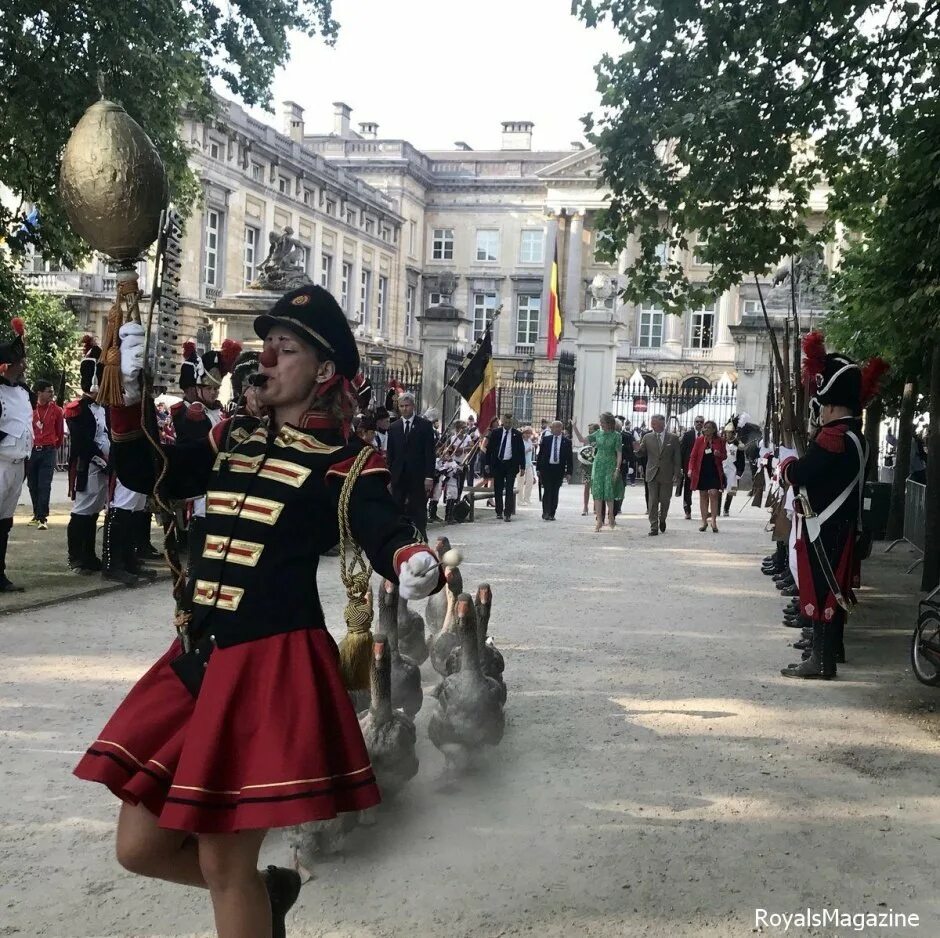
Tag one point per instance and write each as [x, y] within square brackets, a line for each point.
[355, 650]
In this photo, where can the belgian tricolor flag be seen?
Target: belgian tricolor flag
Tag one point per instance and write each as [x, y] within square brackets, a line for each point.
[555, 325]
[476, 384]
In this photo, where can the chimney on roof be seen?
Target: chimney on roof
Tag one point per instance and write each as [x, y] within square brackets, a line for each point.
[369, 130]
[462, 145]
[517, 135]
[341, 115]
[293, 115]
[577, 145]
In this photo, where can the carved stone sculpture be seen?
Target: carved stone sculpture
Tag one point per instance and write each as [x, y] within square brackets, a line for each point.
[282, 269]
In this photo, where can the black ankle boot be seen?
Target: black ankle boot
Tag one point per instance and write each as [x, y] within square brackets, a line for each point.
[283, 887]
[821, 663]
[432, 511]
[91, 562]
[6, 525]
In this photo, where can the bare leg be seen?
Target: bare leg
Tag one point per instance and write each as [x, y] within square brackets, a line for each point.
[148, 850]
[714, 499]
[229, 864]
[587, 495]
[703, 508]
[611, 520]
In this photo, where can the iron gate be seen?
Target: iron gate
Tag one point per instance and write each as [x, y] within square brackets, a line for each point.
[680, 401]
[382, 378]
[530, 400]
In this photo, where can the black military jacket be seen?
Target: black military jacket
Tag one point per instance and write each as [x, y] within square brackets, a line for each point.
[271, 510]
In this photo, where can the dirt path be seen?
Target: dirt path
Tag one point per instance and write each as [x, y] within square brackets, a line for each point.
[657, 777]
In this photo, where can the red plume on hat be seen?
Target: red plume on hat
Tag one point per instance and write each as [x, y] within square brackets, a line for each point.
[189, 350]
[814, 357]
[872, 373]
[88, 341]
[228, 354]
[18, 326]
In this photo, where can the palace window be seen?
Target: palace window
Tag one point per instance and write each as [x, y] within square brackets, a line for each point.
[344, 286]
[702, 334]
[411, 295]
[380, 301]
[326, 271]
[651, 326]
[487, 244]
[442, 245]
[257, 172]
[528, 312]
[365, 292]
[211, 273]
[484, 305]
[532, 246]
[252, 237]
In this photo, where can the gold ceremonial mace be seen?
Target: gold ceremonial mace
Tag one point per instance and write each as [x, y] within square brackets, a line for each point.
[113, 186]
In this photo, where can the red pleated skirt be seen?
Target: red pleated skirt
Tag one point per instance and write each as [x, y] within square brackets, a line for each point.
[271, 741]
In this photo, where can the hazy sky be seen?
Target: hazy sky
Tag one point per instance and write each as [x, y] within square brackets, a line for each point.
[436, 71]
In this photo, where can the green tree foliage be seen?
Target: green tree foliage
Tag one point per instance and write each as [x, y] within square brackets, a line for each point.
[708, 115]
[51, 340]
[155, 57]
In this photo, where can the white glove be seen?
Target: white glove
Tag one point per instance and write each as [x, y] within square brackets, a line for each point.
[418, 576]
[786, 453]
[132, 360]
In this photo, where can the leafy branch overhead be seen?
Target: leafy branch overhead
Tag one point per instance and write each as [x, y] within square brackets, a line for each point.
[721, 118]
[155, 57]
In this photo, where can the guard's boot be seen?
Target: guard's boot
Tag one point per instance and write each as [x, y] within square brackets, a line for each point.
[728, 498]
[74, 539]
[838, 629]
[132, 563]
[821, 663]
[116, 536]
[91, 562]
[283, 887]
[6, 525]
[145, 549]
[432, 510]
[449, 510]
[778, 565]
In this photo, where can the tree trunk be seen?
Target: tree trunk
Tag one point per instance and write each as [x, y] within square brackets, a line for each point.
[873, 416]
[902, 462]
[931, 575]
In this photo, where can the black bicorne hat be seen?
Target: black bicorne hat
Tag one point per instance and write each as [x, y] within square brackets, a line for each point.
[14, 350]
[90, 368]
[314, 316]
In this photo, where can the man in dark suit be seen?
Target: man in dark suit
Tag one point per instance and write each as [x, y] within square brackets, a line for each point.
[411, 462]
[685, 451]
[505, 457]
[555, 463]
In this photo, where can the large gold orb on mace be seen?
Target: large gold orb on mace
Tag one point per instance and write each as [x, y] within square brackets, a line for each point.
[112, 182]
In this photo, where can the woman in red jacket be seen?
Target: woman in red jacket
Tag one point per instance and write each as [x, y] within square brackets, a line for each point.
[706, 474]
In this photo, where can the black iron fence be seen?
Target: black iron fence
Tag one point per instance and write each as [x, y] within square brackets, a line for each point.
[529, 399]
[382, 378]
[678, 401]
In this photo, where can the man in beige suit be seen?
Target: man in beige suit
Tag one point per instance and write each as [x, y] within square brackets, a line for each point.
[663, 470]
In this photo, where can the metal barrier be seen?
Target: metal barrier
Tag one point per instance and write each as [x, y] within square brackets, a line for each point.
[915, 520]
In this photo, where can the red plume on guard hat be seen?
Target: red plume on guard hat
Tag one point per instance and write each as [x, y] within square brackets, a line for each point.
[91, 366]
[311, 313]
[14, 350]
[831, 377]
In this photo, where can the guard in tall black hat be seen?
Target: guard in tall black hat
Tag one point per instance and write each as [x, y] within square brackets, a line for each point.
[280, 487]
[89, 450]
[16, 437]
[828, 483]
[243, 392]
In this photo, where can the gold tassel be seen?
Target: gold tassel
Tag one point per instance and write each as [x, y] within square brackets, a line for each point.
[355, 650]
[111, 386]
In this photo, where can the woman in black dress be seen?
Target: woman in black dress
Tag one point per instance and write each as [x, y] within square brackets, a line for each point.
[706, 473]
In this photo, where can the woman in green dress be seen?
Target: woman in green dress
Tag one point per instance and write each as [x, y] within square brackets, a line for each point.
[606, 481]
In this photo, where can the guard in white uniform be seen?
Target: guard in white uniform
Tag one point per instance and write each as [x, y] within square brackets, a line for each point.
[16, 439]
[90, 447]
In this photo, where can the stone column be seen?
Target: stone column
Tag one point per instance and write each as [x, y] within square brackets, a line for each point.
[442, 327]
[573, 295]
[674, 333]
[596, 340]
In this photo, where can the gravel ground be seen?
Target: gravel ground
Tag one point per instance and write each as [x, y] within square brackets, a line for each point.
[657, 777]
